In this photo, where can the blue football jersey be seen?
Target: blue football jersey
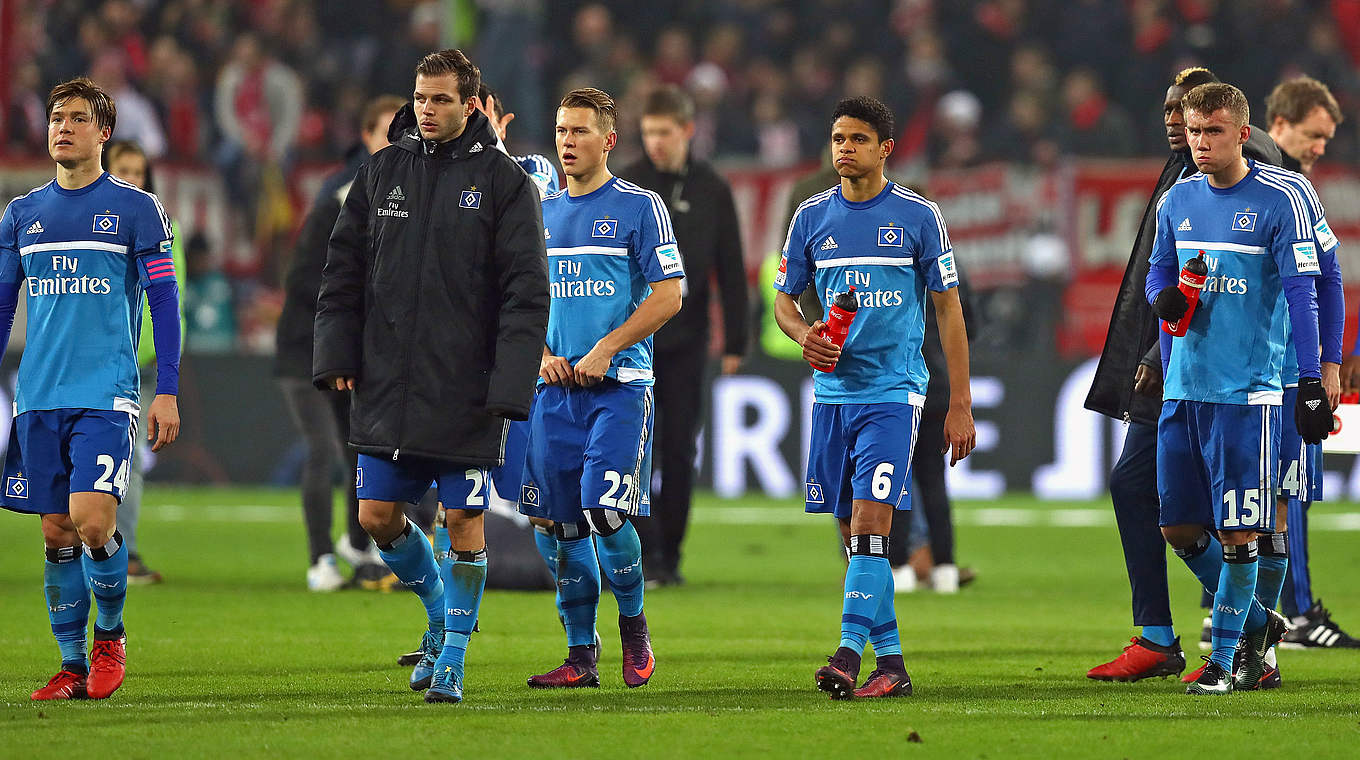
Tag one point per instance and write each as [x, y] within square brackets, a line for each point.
[604, 248]
[75, 254]
[891, 249]
[1252, 234]
[541, 171]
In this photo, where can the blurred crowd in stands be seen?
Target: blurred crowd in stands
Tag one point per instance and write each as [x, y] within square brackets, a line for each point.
[255, 88]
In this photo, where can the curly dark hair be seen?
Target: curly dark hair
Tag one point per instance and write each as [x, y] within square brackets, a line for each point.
[869, 111]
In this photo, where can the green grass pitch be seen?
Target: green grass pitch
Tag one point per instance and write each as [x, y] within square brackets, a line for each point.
[232, 657]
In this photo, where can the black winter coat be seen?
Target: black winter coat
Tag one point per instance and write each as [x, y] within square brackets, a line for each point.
[705, 220]
[1133, 327]
[293, 339]
[435, 296]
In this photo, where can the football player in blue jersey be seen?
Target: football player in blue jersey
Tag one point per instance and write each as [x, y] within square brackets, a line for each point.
[1218, 434]
[85, 247]
[615, 273]
[1303, 116]
[889, 247]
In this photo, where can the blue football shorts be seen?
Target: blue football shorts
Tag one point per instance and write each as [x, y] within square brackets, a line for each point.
[458, 486]
[507, 479]
[589, 448]
[1300, 463]
[1216, 464]
[54, 453]
[860, 451]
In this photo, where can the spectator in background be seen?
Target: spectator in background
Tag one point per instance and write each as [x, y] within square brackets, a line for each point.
[128, 162]
[26, 120]
[1026, 135]
[1094, 124]
[208, 312]
[955, 143]
[322, 416]
[258, 105]
[138, 122]
[706, 227]
[173, 83]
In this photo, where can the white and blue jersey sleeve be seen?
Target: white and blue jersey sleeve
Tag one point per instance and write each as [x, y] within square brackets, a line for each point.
[541, 171]
[892, 249]
[1253, 236]
[605, 249]
[1330, 294]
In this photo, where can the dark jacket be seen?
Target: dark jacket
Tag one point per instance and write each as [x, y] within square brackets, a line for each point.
[293, 340]
[435, 296]
[1133, 328]
[705, 221]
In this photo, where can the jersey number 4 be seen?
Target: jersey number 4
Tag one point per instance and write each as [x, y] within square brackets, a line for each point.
[109, 481]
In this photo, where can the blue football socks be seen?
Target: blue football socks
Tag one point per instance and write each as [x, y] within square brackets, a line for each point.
[1162, 635]
[578, 583]
[883, 635]
[621, 557]
[106, 567]
[68, 605]
[1236, 587]
[1272, 565]
[411, 559]
[1205, 560]
[464, 575]
[546, 543]
[867, 579]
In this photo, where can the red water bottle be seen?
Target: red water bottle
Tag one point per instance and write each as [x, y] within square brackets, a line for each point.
[1193, 275]
[843, 309]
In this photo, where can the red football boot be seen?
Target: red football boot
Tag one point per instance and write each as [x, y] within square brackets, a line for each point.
[638, 662]
[1141, 659]
[882, 683]
[108, 665]
[837, 676]
[64, 685]
[578, 671]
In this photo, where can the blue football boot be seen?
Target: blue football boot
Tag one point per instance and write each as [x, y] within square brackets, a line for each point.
[446, 686]
[430, 645]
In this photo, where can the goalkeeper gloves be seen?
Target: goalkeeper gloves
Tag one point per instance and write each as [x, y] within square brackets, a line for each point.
[1170, 304]
[1312, 413]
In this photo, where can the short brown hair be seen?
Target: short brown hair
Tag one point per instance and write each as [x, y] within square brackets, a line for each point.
[671, 101]
[1293, 99]
[101, 104]
[1208, 98]
[452, 61]
[597, 101]
[376, 108]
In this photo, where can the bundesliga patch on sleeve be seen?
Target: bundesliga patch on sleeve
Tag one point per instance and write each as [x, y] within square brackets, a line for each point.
[1305, 258]
[948, 274]
[669, 257]
[782, 276]
[1325, 238]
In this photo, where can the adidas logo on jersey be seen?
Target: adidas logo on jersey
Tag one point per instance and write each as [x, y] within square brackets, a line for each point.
[829, 244]
[1185, 226]
[396, 194]
[34, 228]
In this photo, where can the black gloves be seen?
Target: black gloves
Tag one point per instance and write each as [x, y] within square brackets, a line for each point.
[1312, 413]
[1170, 304]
